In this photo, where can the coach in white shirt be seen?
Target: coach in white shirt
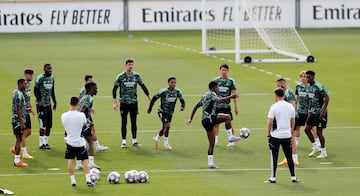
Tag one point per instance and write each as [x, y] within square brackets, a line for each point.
[73, 121]
[281, 121]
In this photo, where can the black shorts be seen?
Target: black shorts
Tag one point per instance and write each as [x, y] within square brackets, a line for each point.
[314, 120]
[129, 108]
[300, 119]
[79, 152]
[225, 111]
[165, 117]
[209, 123]
[45, 116]
[28, 121]
[17, 130]
[86, 132]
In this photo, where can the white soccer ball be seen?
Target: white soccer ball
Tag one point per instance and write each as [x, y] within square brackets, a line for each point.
[131, 176]
[94, 178]
[244, 132]
[113, 177]
[95, 171]
[142, 176]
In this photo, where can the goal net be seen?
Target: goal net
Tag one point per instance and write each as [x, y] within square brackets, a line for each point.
[253, 30]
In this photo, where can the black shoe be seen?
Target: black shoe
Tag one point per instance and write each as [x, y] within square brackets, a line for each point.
[47, 146]
[294, 180]
[73, 184]
[90, 184]
[42, 147]
[269, 181]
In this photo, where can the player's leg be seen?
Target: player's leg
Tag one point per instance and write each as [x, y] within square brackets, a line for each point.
[124, 110]
[70, 156]
[41, 117]
[274, 146]
[26, 134]
[133, 118]
[166, 136]
[82, 155]
[17, 131]
[319, 130]
[97, 144]
[156, 139]
[222, 117]
[88, 137]
[48, 125]
[312, 121]
[286, 145]
[216, 132]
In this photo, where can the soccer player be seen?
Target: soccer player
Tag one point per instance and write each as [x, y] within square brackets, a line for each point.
[227, 86]
[73, 121]
[88, 79]
[18, 119]
[85, 106]
[44, 90]
[168, 97]
[210, 118]
[290, 98]
[280, 132]
[318, 102]
[127, 81]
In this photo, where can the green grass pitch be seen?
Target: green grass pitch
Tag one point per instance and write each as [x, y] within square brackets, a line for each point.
[158, 55]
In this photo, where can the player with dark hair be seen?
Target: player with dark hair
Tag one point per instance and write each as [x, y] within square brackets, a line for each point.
[85, 106]
[168, 97]
[318, 102]
[18, 119]
[210, 118]
[73, 122]
[280, 133]
[44, 90]
[127, 81]
[227, 86]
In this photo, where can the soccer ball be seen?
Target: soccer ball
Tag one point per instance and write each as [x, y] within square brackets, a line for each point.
[244, 132]
[131, 176]
[142, 176]
[95, 171]
[94, 178]
[113, 177]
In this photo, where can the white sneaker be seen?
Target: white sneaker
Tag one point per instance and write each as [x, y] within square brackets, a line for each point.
[123, 145]
[234, 139]
[212, 166]
[156, 142]
[167, 147]
[101, 148]
[314, 151]
[230, 144]
[79, 167]
[94, 166]
[322, 155]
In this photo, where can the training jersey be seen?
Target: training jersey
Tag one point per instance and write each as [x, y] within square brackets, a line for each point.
[73, 122]
[283, 112]
[316, 97]
[45, 86]
[289, 95]
[208, 103]
[128, 85]
[18, 99]
[27, 94]
[87, 101]
[302, 91]
[168, 100]
[225, 88]
[82, 92]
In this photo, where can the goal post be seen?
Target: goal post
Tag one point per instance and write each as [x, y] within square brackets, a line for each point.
[255, 31]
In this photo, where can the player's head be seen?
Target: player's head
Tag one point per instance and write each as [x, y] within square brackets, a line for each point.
[302, 76]
[88, 78]
[213, 86]
[172, 82]
[21, 83]
[310, 75]
[129, 65]
[47, 69]
[281, 82]
[74, 101]
[91, 88]
[28, 73]
[224, 69]
[279, 92]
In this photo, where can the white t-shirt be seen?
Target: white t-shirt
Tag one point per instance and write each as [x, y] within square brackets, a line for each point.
[283, 112]
[73, 122]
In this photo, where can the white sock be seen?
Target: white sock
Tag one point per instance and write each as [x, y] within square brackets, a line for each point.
[323, 150]
[16, 158]
[293, 177]
[317, 141]
[72, 179]
[78, 162]
[210, 159]
[97, 144]
[41, 140]
[46, 139]
[87, 177]
[124, 141]
[216, 139]
[158, 137]
[134, 140]
[315, 146]
[24, 151]
[91, 160]
[229, 133]
[297, 139]
[295, 157]
[166, 140]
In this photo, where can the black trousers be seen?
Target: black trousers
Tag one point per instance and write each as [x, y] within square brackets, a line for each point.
[274, 146]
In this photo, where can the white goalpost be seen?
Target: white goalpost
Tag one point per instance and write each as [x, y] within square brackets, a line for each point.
[255, 31]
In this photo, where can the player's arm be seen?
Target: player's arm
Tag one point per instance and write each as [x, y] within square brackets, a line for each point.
[37, 94]
[235, 100]
[115, 103]
[146, 91]
[324, 107]
[193, 112]
[182, 101]
[152, 102]
[223, 99]
[19, 114]
[269, 126]
[53, 97]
